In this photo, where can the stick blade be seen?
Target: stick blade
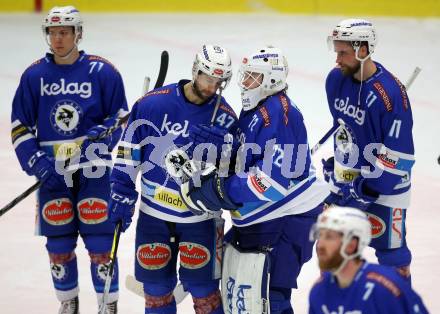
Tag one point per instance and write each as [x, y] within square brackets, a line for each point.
[137, 288]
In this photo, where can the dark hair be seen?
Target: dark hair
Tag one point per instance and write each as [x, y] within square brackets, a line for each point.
[361, 44]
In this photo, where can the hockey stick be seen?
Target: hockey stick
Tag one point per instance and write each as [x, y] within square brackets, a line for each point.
[137, 288]
[108, 278]
[335, 128]
[159, 82]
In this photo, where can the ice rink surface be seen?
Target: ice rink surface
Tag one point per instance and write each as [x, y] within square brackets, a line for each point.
[133, 44]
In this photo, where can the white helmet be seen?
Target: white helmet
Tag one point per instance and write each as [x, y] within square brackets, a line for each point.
[351, 222]
[271, 66]
[213, 61]
[64, 16]
[355, 31]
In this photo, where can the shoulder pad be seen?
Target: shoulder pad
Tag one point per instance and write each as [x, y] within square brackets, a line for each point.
[36, 62]
[402, 93]
[385, 282]
[155, 92]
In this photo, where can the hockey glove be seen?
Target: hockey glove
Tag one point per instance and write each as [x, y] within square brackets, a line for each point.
[210, 197]
[357, 194]
[43, 167]
[96, 134]
[121, 205]
[205, 134]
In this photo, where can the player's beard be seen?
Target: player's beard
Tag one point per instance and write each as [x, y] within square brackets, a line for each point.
[350, 70]
[332, 262]
[199, 93]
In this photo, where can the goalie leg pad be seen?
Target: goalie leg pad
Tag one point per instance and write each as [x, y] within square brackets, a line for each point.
[245, 281]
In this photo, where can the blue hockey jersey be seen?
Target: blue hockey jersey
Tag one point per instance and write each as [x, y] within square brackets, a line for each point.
[55, 105]
[377, 134]
[274, 174]
[159, 122]
[376, 289]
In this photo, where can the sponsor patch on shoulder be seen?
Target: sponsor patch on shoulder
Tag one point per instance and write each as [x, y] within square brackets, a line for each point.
[285, 105]
[228, 110]
[98, 58]
[387, 283]
[386, 99]
[265, 116]
[402, 93]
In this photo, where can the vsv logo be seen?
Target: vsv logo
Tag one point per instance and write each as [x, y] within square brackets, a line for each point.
[174, 128]
[84, 90]
[350, 110]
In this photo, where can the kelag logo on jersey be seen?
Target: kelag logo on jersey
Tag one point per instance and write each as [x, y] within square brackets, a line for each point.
[174, 128]
[350, 110]
[84, 89]
[65, 117]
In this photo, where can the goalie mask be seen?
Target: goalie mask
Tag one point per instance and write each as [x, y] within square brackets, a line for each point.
[355, 31]
[261, 75]
[215, 62]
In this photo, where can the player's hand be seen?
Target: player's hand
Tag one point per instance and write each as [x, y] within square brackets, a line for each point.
[95, 135]
[121, 205]
[209, 197]
[209, 136]
[356, 194]
[43, 167]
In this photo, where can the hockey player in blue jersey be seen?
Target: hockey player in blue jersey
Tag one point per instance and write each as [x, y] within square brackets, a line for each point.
[159, 124]
[274, 196]
[374, 150]
[349, 284]
[62, 100]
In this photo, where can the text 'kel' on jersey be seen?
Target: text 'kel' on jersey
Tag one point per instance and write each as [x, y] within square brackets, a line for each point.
[262, 74]
[62, 29]
[212, 70]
